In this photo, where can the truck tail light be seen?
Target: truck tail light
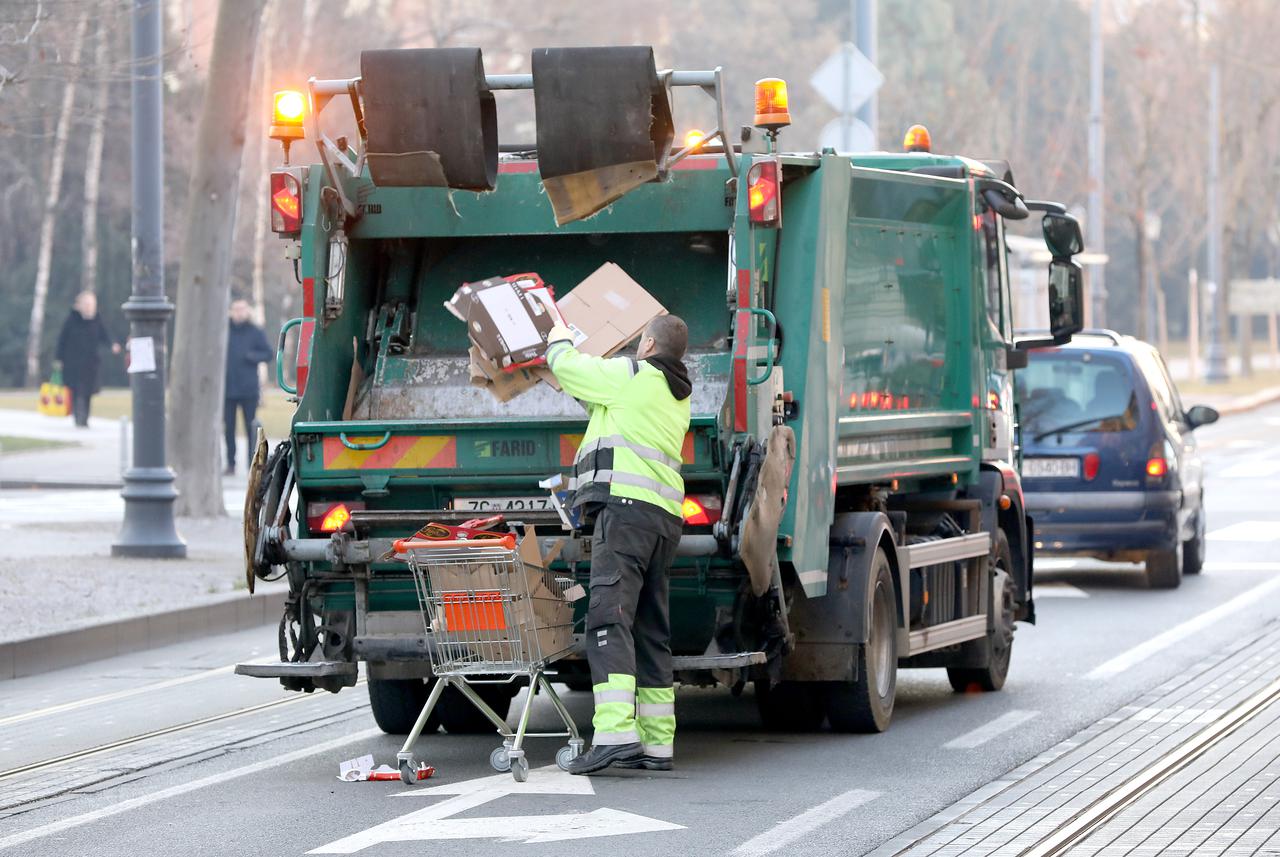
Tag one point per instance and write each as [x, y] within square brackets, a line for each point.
[764, 202]
[329, 517]
[286, 203]
[1090, 466]
[701, 510]
[1157, 467]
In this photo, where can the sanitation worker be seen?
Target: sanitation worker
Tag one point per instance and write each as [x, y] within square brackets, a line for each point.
[627, 477]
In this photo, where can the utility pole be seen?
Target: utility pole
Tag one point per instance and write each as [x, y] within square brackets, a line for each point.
[1216, 354]
[864, 15]
[1096, 224]
[148, 529]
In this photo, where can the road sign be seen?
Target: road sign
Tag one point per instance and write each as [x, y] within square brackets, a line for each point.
[847, 79]
[1254, 297]
[847, 133]
[437, 822]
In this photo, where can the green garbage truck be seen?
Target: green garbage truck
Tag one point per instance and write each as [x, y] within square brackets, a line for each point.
[853, 497]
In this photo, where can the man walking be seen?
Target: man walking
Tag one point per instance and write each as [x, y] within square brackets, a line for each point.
[246, 347]
[627, 477]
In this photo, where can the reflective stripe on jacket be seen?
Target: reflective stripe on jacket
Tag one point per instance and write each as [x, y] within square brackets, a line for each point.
[632, 445]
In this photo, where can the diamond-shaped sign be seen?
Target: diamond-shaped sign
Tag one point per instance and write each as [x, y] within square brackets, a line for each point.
[847, 134]
[846, 79]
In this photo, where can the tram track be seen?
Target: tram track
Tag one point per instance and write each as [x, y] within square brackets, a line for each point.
[1088, 821]
[90, 752]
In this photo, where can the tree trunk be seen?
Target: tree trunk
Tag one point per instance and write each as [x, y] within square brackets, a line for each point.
[200, 328]
[53, 195]
[259, 180]
[93, 167]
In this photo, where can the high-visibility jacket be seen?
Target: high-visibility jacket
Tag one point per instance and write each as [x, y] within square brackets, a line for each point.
[635, 433]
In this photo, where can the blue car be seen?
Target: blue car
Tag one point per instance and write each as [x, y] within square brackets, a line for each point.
[1110, 466]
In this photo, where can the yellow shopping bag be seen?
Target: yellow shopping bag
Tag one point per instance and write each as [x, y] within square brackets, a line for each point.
[55, 398]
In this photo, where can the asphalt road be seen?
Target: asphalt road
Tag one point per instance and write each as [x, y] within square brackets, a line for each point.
[168, 751]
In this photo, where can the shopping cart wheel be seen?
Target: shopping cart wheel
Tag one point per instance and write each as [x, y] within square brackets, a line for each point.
[409, 771]
[520, 769]
[499, 760]
[565, 755]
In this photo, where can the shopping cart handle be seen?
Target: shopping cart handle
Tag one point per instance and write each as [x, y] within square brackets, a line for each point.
[405, 545]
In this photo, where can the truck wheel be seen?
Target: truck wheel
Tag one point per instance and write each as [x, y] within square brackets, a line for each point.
[1164, 568]
[790, 706]
[997, 648]
[866, 704]
[1193, 548]
[459, 717]
[396, 704]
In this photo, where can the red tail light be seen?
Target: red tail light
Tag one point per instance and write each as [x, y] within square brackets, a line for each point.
[286, 203]
[1157, 467]
[701, 510]
[764, 202]
[327, 517]
[1091, 462]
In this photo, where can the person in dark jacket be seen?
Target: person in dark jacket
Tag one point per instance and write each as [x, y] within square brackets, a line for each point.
[82, 337]
[247, 346]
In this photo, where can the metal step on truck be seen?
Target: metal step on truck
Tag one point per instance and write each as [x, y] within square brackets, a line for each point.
[854, 504]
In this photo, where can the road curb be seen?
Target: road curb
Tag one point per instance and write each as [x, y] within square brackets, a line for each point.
[36, 655]
[1243, 404]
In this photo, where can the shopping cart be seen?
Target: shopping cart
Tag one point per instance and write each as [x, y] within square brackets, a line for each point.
[491, 618]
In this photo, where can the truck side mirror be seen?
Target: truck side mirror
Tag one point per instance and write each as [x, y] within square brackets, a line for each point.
[1066, 300]
[1062, 234]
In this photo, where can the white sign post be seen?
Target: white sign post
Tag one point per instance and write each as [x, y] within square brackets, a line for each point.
[847, 80]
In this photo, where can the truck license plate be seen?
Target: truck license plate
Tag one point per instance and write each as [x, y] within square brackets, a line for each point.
[503, 504]
[1049, 468]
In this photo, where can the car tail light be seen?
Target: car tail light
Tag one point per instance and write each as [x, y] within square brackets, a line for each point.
[286, 203]
[1157, 467]
[328, 517]
[701, 510]
[764, 202]
[1090, 467]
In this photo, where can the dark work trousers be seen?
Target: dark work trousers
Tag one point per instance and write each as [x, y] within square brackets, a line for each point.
[80, 407]
[247, 406]
[628, 618]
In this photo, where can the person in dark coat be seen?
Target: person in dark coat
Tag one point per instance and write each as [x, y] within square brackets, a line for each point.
[247, 346]
[82, 337]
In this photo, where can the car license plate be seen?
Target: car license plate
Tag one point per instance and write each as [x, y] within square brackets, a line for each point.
[1050, 468]
[503, 504]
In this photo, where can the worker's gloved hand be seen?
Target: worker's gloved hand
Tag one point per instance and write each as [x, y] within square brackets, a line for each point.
[560, 333]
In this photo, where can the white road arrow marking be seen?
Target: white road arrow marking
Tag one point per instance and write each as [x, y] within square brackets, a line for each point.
[435, 822]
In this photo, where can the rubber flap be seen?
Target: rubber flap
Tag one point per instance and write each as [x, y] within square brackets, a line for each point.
[604, 125]
[430, 118]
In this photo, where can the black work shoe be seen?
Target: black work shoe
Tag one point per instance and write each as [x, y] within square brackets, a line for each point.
[647, 762]
[601, 756]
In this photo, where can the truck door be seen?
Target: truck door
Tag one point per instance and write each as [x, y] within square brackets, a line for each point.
[995, 337]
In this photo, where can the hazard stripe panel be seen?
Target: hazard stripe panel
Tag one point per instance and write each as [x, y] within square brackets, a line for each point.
[403, 452]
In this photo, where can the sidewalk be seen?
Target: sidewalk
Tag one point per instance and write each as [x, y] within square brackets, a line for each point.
[95, 458]
[1191, 768]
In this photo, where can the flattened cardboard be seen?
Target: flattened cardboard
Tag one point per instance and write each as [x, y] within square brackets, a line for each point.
[607, 310]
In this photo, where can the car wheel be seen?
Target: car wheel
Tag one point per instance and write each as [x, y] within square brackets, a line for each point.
[866, 704]
[459, 716]
[396, 704]
[1193, 548]
[1164, 568]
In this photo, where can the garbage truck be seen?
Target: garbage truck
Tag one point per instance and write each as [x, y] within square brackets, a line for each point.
[853, 504]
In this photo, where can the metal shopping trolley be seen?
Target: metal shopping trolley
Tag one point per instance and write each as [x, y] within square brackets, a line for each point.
[491, 618]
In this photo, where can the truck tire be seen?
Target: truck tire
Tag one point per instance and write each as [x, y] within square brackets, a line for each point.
[396, 704]
[866, 703]
[790, 706]
[1164, 568]
[459, 717]
[1193, 548]
[997, 648]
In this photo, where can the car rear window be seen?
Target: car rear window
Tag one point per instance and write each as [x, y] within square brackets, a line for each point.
[1076, 391]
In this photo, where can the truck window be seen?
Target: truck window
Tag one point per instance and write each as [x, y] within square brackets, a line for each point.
[996, 272]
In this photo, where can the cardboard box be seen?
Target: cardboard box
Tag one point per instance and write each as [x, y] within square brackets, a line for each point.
[483, 612]
[606, 311]
[508, 318]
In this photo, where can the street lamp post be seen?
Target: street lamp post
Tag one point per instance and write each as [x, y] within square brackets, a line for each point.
[1216, 354]
[148, 529]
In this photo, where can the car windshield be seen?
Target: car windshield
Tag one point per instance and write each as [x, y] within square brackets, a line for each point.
[1076, 391]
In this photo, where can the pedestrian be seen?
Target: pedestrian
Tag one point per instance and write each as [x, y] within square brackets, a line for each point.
[82, 336]
[627, 480]
[246, 347]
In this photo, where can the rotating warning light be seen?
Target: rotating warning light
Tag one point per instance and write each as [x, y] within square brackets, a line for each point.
[771, 104]
[289, 106]
[917, 140]
[693, 139]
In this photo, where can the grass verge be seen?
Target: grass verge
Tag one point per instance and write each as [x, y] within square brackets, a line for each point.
[275, 411]
[10, 444]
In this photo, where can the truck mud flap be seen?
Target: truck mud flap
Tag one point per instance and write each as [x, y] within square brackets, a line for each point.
[430, 118]
[603, 122]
